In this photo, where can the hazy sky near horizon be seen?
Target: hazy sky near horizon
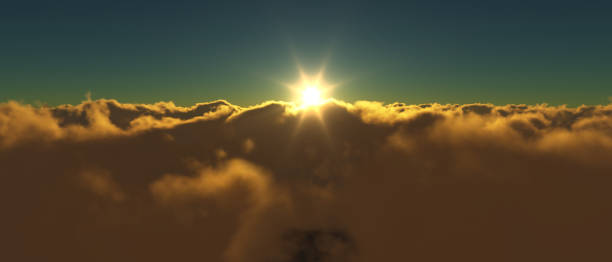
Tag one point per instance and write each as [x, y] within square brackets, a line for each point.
[500, 52]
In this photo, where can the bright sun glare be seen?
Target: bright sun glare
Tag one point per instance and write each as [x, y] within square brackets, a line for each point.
[311, 91]
[311, 96]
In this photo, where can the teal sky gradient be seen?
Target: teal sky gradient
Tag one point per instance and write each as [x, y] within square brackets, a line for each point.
[555, 52]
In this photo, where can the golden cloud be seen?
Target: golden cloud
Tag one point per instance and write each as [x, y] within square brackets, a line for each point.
[366, 181]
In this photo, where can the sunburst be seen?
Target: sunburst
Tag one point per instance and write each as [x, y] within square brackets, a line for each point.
[311, 90]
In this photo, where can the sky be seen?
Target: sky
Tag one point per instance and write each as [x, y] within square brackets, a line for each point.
[500, 52]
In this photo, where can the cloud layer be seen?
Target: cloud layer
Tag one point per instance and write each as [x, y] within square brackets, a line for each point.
[106, 181]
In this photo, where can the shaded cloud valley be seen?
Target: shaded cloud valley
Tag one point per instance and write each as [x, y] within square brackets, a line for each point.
[104, 181]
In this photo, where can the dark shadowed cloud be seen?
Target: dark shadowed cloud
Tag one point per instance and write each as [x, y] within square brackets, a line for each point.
[106, 181]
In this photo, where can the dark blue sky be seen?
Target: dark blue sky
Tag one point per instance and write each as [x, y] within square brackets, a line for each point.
[410, 51]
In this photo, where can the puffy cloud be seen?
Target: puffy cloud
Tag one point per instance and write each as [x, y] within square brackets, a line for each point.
[22, 123]
[343, 182]
[101, 183]
[210, 182]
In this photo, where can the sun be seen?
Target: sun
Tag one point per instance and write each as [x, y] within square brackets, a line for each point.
[311, 91]
[311, 96]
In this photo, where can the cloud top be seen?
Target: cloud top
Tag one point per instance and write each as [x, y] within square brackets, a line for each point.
[366, 181]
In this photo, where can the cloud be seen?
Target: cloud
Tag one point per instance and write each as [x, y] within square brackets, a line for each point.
[101, 183]
[366, 181]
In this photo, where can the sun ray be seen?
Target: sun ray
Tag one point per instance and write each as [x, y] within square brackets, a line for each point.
[310, 93]
[311, 90]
